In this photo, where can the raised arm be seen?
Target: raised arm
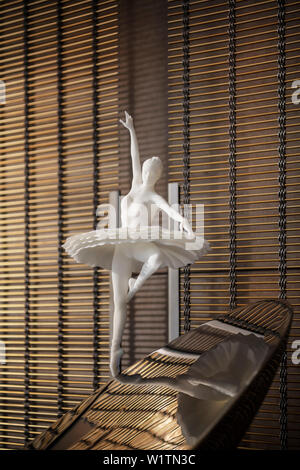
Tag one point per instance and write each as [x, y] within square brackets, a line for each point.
[164, 206]
[135, 155]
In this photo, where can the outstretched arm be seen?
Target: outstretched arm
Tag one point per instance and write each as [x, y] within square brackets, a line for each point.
[164, 206]
[135, 155]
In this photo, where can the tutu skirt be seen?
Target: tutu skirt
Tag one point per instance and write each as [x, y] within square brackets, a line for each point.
[96, 248]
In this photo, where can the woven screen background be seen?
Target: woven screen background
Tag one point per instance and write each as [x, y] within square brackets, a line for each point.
[241, 220]
[56, 330]
[71, 68]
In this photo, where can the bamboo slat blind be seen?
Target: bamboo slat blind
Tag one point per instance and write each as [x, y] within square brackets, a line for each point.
[60, 156]
[243, 149]
[59, 133]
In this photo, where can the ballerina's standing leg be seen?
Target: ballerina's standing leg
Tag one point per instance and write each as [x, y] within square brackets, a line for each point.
[121, 272]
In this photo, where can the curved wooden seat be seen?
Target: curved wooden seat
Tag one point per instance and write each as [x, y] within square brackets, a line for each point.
[151, 413]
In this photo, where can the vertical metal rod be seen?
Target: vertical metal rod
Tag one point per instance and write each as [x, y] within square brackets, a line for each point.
[282, 207]
[232, 151]
[95, 192]
[26, 235]
[173, 277]
[60, 210]
[186, 144]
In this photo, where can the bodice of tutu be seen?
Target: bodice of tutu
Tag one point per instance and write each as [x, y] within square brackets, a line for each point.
[137, 212]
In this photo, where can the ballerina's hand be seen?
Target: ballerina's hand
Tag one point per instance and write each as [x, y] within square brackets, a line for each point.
[184, 225]
[129, 121]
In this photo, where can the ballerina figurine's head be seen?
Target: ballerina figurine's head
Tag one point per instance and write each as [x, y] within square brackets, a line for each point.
[152, 170]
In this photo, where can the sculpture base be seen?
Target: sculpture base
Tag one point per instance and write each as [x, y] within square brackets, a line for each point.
[217, 398]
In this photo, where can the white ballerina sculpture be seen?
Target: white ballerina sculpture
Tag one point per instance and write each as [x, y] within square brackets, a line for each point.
[136, 246]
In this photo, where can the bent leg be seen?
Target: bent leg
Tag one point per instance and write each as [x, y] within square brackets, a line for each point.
[152, 264]
[121, 272]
